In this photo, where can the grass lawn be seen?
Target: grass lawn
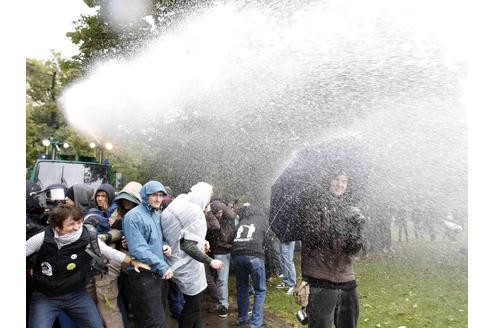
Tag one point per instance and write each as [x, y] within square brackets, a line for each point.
[421, 284]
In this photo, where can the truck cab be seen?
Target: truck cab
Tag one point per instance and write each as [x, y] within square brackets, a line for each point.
[69, 172]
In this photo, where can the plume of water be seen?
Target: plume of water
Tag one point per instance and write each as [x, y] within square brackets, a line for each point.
[229, 94]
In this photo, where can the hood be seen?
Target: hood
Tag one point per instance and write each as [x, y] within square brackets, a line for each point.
[131, 192]
[149, 188]
[200, 194]
[83, 196]
[109, 190]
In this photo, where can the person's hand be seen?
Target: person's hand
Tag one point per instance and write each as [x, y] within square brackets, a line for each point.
[136, 264]
[168, 275]
[216, 264]
[124, 243]
[167, 250]
[206, 248]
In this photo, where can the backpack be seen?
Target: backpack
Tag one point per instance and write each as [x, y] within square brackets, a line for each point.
[99, 263]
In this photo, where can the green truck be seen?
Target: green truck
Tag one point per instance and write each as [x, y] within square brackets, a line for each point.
[46, 172]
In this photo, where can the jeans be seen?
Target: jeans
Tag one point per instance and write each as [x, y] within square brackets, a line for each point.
[78, 305]
[145, 293]
[254, 267]
[175, 299]
[327, 305]
[288, 267]
[223, 280]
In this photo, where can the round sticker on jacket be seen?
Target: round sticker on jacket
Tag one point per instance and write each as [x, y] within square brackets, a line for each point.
[73, 256]
[71, 266]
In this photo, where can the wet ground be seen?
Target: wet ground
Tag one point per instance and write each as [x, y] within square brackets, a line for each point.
[213, 320]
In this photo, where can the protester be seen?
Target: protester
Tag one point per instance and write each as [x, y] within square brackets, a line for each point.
[104, 289]
[332, 236]
[145, 242]
[220, 246]
[104, 200]
[288, 267]
[184, 228]
[248, 257]
[62, 270]
[80, 196]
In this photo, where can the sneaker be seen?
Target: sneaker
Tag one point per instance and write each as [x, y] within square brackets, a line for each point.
[223, 312]
[250, 311]
[282, 285]
[280, 275]
[290, 291]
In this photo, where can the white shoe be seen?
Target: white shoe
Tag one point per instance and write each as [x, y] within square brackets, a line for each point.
[290, 291]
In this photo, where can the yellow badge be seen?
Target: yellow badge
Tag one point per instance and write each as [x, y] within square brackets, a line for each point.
[71, 266]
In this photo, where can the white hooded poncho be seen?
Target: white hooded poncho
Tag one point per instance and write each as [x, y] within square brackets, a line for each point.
[184, 218]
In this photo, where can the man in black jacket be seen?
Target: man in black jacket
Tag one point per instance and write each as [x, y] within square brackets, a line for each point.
[332, 237]
[248, 256]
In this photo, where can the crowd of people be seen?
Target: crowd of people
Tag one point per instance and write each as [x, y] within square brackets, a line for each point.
[161, 255]
[408, 222]
[141, 257]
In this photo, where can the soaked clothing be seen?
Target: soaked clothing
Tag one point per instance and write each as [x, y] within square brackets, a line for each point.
[332, 236]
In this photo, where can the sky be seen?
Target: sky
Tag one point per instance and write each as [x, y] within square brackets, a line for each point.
[49, 21]
[31, 28]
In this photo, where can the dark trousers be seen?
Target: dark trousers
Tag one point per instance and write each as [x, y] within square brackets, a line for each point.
[175, 299]
[327, 305]
[212, 289]
[190, 316]
[145, 293]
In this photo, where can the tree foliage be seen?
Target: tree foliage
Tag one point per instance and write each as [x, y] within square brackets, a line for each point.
[98, 39]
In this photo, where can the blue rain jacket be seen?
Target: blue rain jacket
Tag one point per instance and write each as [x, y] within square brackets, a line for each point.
[143, 232]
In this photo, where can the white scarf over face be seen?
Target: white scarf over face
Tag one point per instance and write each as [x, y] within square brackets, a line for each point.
[68, 238]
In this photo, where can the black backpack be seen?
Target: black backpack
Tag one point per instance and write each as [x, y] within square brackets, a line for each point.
[99, 263]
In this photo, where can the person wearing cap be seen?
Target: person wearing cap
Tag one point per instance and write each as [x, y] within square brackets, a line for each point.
[141, 227]
[184, 227]
[104, 289]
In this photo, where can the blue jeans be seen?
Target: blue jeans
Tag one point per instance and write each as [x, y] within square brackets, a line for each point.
[288, 267]
[78, 305]
[223, 279]
[328, 305]
[175, 299]
[246, 266]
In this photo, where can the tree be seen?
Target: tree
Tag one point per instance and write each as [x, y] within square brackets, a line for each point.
[44, 80]
[98, 39]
